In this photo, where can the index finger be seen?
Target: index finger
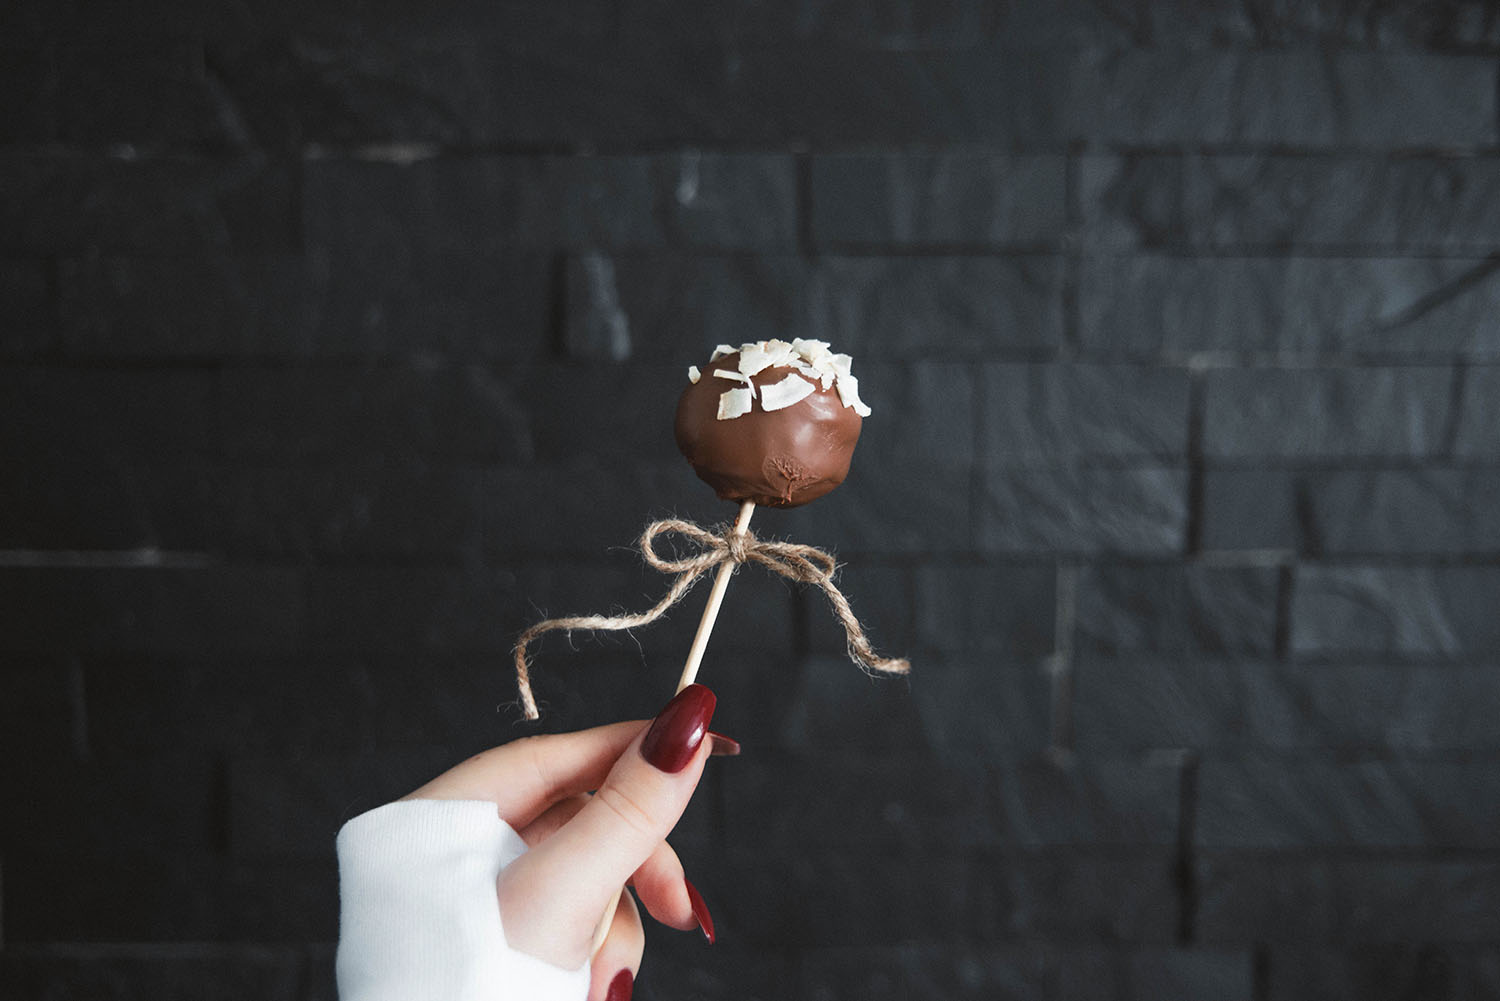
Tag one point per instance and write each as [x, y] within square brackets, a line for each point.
[528, 775]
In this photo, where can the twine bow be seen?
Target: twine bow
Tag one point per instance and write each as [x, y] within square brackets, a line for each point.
[806, 564]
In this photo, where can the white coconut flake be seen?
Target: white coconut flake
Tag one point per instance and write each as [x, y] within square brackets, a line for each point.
[849, 394]
[789, 390]
[809, 349]
[815, 365]
[724, 373]
[758, 357]
[735, 403]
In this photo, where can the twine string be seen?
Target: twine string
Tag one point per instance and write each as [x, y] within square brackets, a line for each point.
[805, 564]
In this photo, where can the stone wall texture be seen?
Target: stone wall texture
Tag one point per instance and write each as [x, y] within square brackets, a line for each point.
[339, 341]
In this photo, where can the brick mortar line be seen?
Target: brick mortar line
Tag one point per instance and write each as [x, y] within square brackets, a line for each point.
[1187, 878]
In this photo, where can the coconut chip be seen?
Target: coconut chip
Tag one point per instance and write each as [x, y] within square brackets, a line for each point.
[789, 390]
[735, 403]
[758, 357]
[724, 373]
[816, 366]
[849, 394]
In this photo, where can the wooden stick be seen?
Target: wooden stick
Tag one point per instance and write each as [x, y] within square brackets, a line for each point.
[715, 599]
[689, 672]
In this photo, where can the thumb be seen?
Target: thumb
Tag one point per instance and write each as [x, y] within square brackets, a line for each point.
[551, 898]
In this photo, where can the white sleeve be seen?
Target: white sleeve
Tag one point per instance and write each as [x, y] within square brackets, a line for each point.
[418, 915]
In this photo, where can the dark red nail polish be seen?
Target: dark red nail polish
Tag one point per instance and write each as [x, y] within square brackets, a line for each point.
[721, 746]
[676, 733]
[620, 987]
[700, 911]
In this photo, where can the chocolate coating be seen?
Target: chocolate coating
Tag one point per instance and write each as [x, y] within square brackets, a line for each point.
[782, 458]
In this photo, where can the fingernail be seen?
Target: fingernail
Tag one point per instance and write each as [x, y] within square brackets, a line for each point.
[721, 746]
[700, 911]
[620, 987]
[676, 733]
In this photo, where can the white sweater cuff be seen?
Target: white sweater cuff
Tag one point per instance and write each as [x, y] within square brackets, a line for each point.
[418, 915]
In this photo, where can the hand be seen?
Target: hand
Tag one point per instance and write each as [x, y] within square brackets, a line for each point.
[583, 848]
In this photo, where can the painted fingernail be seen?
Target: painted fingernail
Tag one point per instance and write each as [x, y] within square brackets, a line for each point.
[676, 733]
[620, 987]
[721, 746]
[700, 911]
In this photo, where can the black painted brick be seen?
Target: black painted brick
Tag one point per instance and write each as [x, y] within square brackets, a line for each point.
[1007, 98]
[64, 418]
[1102, 896]
[1043, 511]
[126, 895]
[926, 973]
[1383, 973]
[488, 304]
[829, 801]
[153, 806]
[91, 498]
[922, 411]
[1407, 511]
[1232, 706]
[915, 507]
[1429, 204]
[587, 506]
[1182, 610]
[821, 897]
[1376, 306]
[941, 199]
[677, 308]
[882, 596]
[364, 415]
[917, 800]
[1264, 802]
[69, 202]
[1457, 27]
[881, 25]
[152, 609]
[279, 807]
[395, 510]
[677, 970]
[1479, 415]
[1006, 608]
[26, 303]
[169, 973]
[1260, 509]
[725, 201]
[1295, 899]
[819, 704]
[154, 96]
[204, 305]
[370, 609]
[328, 703]
[1050, 414]
[1422, 612]
[28, 76]
[1326, 413]
[508, 92]
[38, 695]
[1190, 974]
[1290, 97]
[1005, 700]
[945, 306]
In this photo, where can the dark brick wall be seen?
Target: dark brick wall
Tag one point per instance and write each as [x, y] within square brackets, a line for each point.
[341, 339]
